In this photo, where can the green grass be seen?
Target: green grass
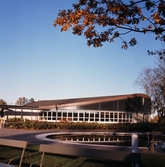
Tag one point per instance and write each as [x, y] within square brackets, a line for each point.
[32, 155]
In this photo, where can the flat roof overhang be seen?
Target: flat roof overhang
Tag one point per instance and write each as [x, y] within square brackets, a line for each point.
[17, 107]
[50, 104]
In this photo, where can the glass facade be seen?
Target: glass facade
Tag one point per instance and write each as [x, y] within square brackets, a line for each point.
[87, 116]
[120, 111]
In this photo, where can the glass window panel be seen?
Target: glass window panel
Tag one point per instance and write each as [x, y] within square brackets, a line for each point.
[75, 114]
[111, 117]
[97, 116]
[86, 114]
[115, 117]
[69, 114]
[96, 119]
[102, 116]
[86, 118]
[64, 114]
[91, 119]
[120, 117]
[75, 118]
[81, 115]
[107, 117]
[81, 119]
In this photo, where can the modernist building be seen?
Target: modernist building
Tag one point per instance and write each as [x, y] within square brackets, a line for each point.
[130, 108]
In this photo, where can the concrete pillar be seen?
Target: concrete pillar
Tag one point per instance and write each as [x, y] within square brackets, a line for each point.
[56, 114]
[94, 115]
[66, 115]
[51, 112]
[46, 115]
[135, 146]
[134, 143]
[78, 116]
[83, 116]
[99, 116]
[61, 117]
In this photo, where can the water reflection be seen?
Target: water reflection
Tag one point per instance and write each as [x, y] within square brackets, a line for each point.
[101, 139]
[115, 138]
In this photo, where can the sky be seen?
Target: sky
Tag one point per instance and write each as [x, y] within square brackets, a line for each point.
[41, 62]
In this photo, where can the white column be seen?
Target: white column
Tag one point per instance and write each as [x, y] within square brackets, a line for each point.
[51, 115]
[47, 115]
[134, 143]
[135, 146]
[67, 115]
[56, 115]
[84, 116]
[43, 118]
[99, 116]
[31, 114]
[78, 116]
[72, 116]
[94, 115]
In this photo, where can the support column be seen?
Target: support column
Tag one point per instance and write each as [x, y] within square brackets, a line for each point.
[67, 115]
[99, 116]
[56, 114]
[51, 115]
[31, 114]
[94, 115]
[78, 116]
[135, 146]
[46, 115]
[84, 116]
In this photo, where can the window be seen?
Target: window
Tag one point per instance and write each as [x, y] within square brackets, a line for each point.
[64, 116]
[69, 116]
[130, 117]
[115, 120]
[124, 119]
[107, 117]
[111, 117]
[96, 116]
[59, 114]
[91, 116]
[120, 117]
[86, 116]
[54, 115]
[80, 116]
[75, 115]
[102, 116]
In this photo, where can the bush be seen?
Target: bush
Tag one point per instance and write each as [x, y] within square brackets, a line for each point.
[18, 123]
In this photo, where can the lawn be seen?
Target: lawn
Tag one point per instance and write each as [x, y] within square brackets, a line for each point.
[32, 155]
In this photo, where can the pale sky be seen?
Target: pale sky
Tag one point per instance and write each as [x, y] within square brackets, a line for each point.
[38, 61]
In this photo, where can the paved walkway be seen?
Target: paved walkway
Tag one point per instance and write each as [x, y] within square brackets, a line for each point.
[21, 134]
[29, 135]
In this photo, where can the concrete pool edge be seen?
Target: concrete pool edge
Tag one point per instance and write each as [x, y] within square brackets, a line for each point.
[43, 136]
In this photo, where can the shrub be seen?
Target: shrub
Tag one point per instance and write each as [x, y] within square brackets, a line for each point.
[18, 123]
